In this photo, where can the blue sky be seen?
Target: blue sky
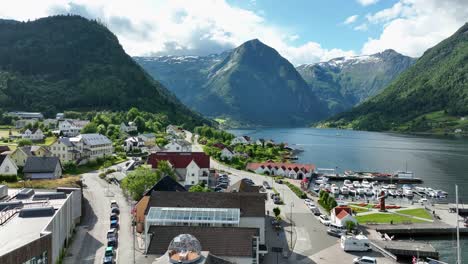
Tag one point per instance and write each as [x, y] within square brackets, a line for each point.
[302, 31]
[319, 21]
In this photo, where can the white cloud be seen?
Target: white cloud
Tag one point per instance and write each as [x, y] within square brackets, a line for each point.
[367, 2]
[350, 20]
[362, 27]
[412, 26]
[177, 26]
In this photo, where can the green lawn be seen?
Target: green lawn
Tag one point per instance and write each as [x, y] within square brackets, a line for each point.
[48, 141]
[418, 212]
[358, 209]
[5, 132]
[94, 166]
[385, 218]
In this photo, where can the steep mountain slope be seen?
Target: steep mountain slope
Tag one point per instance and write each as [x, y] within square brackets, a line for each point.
[68, 62]
[252, 84]
[346, 81]
[184, 75]
[426, 97]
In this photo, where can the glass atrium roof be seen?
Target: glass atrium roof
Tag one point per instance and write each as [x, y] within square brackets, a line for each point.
[161, 215]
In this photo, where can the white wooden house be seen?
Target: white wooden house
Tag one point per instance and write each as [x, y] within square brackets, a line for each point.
[240, 140]
[33, 135]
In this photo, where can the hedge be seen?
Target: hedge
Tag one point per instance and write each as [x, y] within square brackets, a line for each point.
[8, 178]
[296, 190]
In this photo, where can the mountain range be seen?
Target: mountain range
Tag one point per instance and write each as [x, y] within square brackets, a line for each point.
[254, 84]
[432, 95]
[72, 63]
[347, 81]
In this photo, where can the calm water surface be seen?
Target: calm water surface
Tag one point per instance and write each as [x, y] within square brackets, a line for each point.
[440, 162]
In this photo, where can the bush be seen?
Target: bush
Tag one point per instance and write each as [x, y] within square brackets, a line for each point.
[102, 175]
[296, 190]
[69, 166]
[24, 142]
[8, 178]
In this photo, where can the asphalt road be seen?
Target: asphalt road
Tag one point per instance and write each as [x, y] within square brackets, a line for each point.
[90, 240]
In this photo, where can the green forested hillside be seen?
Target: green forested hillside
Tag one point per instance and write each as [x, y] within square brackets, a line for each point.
[432, 95]
[68, 62]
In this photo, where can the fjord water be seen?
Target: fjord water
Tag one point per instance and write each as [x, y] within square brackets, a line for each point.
[440, 162]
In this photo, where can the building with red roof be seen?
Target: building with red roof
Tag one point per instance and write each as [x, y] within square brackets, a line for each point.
[290, 170]
[191, 168]
[342, 214]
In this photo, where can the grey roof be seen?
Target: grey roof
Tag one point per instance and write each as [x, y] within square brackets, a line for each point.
[41, 164]
[166, 184]
[29, 150]
[95, 139]
[66, 141]
[220, 241]
[250, 204]
[148, 135]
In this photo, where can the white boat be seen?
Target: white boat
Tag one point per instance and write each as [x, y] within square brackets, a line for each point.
[327, 187]
[408, 192]
[375, 185]
[391, 186]
[365, 184]
[321, 180]
[356, 184]
[352, 191]
[361, 191]
[392, 192]
[334, 189]
[348, 183]
[369, 192]
[420, 189]
[344, 190]
[399, 192]
[404, 174]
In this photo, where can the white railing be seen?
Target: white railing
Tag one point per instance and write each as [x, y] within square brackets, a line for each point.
[383, 251]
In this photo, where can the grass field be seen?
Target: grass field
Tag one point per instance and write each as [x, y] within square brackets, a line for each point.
[5, 132]
[418, 212]
[385, 218]
[358, 209]
[72, 181]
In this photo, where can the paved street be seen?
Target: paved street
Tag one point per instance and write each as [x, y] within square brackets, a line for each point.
[90, 240]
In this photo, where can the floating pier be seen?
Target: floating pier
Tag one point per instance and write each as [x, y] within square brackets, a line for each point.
[408, 249]
[379, 179]
[414, 230]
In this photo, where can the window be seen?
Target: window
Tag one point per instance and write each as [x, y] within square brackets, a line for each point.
[193, 174]
[7, 168]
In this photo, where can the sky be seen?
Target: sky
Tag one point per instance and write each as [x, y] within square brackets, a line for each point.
[303, 31]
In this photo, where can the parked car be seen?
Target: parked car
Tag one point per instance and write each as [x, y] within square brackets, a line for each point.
[365, 260]
[114, 224]
[115, 210]
[335, 232]
[272, 195]
[308, 201]
[112, 242]
[114, 216]
[266, 185]
[109, 252]
[311, 206]
[108, 260]
[112, 233]
[324, 220]
[218, 189]
[276, 200]
[316, 211]
[114, 204]
[279, 181]
[222, 186]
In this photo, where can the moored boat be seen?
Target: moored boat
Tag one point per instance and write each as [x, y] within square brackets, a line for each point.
[365, 184]
[356, 184]
[344, 190]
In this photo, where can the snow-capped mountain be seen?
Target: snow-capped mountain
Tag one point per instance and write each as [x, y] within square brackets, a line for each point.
[346, 81]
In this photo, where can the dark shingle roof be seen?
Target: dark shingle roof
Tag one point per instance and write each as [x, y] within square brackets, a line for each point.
[4, 148]
[41, 164]
[220, 241]
[212, 259]
[166, 184]
[242, 186]
[250, 204]
[2, 157]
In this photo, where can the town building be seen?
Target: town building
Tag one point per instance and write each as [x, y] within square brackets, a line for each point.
[166, 184]
[191, 168]
[34, 135]
[175, 131]
[133, 143]
[227, 154]
[21, 154]
[4, 149]
[178, 145]
[40, 226]
[290, 170]
[71, 127]
[7, 165]
[148, 138]
[93, 146]
[60, 116]
[42, 168]
[65, 150]
[26, 115]
[342, 214]
[21, 123]
[228, 225]
[243, 186]
[240, 140]
[128, 127]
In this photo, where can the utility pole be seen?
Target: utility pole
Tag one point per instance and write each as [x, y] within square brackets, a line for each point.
[458, 228]
[292, 225]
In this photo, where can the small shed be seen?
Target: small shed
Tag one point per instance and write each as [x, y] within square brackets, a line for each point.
[42, 168]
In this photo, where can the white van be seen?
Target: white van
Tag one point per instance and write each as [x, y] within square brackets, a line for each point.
[355, 243]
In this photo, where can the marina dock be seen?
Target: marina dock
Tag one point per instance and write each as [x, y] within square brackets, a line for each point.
[379, 179]
[422, 229]
[407, 249]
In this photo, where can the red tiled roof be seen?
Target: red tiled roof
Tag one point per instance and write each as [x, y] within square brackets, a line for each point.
[339, 211]
[342, 214]
[284, 166]
[219, 145]
[180, 159]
